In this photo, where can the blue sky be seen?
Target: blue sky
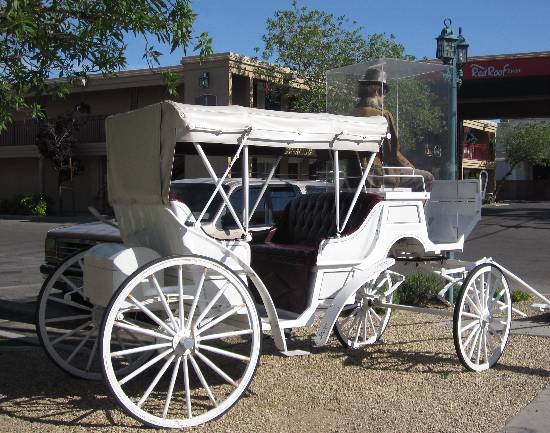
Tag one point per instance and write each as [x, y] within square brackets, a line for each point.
[490, 26]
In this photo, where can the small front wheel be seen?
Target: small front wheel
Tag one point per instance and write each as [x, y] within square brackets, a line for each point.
[198, 321]
[482, 317]
[361, 323]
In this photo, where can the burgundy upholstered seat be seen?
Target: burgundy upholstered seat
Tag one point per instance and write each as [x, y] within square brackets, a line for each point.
[285, 260]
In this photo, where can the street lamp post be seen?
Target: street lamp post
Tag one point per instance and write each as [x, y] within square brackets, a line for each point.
[452, 50]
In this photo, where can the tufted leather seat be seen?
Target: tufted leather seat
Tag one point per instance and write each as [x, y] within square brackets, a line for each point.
[284, 261]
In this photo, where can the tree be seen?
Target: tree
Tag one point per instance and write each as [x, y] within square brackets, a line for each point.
[71, 38]
[524, 142]
[55, 140]
[303, 44]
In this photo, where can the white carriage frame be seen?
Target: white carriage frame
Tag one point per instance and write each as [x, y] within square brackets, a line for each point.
[399, 216]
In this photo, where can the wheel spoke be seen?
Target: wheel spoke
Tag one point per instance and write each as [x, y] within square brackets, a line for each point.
[145, 366]
[69, 303]
[224, 335]
[79, 346]
[180, 300]
[202, 380]
[195, 300]
[68, 334]
[92, 354]
[171, 386]
[485, 346]
[151, 315]
[71, 284]
[68, 318]
[155, 283]
[371, 323]
[143, 331]
[375, 315]
[473, 305]
[140, 349]
[472, 334]
[211, 304]
[187, 388]
[219, 319]
[152, 385]
[358, 328]
[469, 315]
[481, 333]
[223, 352]
[469, 326]
[474, 344]
[216, 369]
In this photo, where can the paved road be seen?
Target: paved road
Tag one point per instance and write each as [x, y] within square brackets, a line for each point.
[517, 235]
[21, 253]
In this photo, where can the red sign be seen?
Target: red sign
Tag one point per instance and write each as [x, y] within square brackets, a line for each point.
[506, 68]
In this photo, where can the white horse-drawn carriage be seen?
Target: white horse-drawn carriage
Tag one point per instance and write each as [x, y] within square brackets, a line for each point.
[173, 318]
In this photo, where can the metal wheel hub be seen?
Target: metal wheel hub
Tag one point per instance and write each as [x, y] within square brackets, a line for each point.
[183, 343]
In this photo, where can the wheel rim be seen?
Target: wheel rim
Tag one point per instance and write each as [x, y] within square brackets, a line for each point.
[67, 325]
[362, 323]
[482, 318]
[203, 331]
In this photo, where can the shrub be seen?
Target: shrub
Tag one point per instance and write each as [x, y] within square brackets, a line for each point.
[37, 204]
[419, 289]
[520, 295]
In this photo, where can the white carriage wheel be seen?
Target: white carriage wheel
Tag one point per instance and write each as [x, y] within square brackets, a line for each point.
[482, 317]
[66, 324]
[200, 318]
[361, 323]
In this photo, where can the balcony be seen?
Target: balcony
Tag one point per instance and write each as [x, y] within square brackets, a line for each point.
[478, 151]
[23, 133]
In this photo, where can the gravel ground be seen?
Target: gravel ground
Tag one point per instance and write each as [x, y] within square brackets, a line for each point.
[413, 382]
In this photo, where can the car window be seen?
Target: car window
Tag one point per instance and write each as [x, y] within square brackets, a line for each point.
[279, 198]
[195, 196]
[316, 189]
[260, 216]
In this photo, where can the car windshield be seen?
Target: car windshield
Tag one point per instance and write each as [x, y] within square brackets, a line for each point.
[195, 196]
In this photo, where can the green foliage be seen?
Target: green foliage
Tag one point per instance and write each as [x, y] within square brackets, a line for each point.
[38, 205]
[419, 289]
[72, 38]
[520, 295]
[309, 42]
[420, 115]
[526, 142]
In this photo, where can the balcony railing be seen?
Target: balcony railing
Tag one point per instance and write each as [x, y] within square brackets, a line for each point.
[23, 133]
[478, 151]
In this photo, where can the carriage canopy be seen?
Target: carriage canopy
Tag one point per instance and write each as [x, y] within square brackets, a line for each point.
[141, 143]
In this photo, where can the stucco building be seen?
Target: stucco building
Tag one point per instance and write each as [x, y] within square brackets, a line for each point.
[221, 79]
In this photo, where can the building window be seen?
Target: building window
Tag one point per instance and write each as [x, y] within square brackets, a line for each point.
[134, 99]
[206, 100]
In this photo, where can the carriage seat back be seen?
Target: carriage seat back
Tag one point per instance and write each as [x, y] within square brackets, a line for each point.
[308, 219]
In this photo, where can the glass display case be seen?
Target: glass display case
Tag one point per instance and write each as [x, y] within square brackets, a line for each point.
[414, 97]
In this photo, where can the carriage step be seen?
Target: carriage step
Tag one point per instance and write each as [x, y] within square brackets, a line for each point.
[296, 352]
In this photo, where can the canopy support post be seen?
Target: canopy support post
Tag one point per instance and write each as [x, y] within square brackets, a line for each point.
[245, 189]
[358, 191]
[337, 191]
[221, 191]
[220, 180]
[265, 185]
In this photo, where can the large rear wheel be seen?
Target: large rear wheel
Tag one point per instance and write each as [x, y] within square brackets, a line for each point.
[199, 322]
